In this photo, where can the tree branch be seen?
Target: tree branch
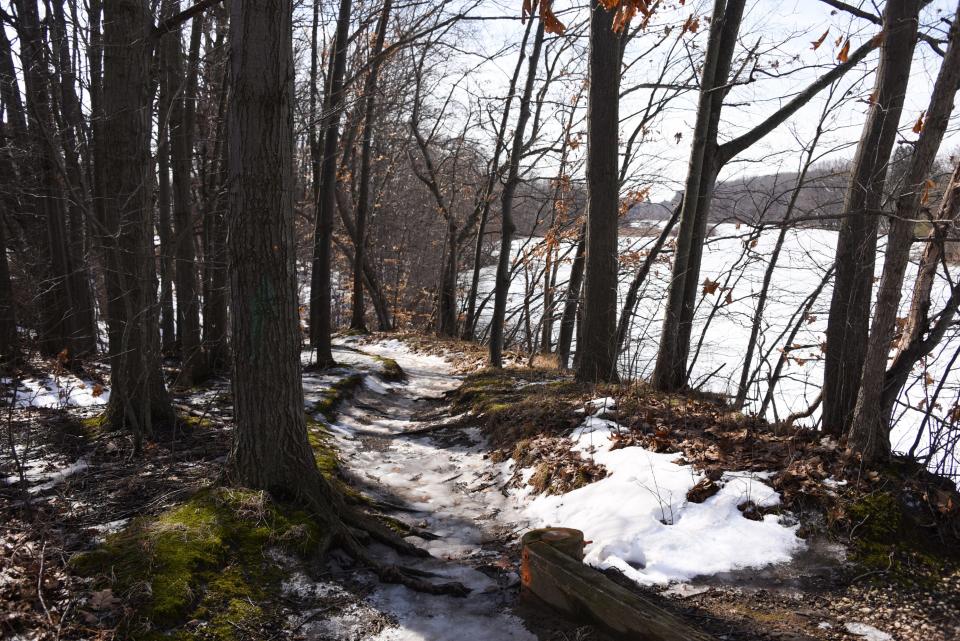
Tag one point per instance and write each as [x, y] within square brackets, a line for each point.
[730, 149]
[171, 23]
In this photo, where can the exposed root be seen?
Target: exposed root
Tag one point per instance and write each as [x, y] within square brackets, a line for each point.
[449, 423]
[380, 533]
[409, 577]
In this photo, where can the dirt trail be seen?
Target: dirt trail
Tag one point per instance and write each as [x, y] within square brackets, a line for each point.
[440, 483]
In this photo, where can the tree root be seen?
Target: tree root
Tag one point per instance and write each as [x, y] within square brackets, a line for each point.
[408, 577]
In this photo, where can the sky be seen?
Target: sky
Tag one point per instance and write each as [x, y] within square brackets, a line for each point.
[781, 32]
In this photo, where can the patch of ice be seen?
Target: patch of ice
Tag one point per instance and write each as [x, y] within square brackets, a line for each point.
[685, 590]
[868, 632]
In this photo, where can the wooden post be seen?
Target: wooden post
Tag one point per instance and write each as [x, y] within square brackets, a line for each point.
[552, 570]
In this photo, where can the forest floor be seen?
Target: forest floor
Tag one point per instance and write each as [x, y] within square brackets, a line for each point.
[98, 544]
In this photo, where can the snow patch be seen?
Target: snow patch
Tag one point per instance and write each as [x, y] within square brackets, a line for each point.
[868, 632]
[640, 522]
[56, 392]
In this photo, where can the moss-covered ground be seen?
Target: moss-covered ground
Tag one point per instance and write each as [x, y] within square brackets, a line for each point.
[200, 570]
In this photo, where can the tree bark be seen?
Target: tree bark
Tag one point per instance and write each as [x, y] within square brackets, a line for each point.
[184, 83]
[507, 226]
[670, 372]
[320, 321]
[65, 303]
[138, 398]
[363, 197]
[847, 325]
[869, 432]
[270, 449]
[597, 353]
[571, 301]
[919, 336]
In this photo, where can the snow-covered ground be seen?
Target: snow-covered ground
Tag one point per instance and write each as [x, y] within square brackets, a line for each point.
[55, 392]
[640, 522]
[730, 260]
[638, 517]
[444, 486]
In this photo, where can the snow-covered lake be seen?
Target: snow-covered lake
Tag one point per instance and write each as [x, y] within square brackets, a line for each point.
[719, 351]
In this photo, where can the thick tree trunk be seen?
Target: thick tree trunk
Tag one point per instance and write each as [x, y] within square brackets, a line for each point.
[138, 398]
[869, 432]
[849, 317]
[597, 353]
[320, 321]
[215, 282]
[507, 226]
[73, 145]
[270, 450]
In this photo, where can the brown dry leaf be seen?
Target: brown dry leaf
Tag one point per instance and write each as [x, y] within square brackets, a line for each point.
[729, 299]
[844, 54]
[103, 600]
[918, 126]
[819, 41]
[710, 286]
[97, 390]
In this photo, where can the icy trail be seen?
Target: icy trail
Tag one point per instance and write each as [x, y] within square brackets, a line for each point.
[445, 487]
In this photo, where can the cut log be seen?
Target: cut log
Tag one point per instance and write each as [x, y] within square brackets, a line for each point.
[553, 571]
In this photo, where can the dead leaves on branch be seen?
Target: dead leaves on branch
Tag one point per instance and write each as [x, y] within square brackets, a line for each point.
[551, 24]
[625, 12]
[844, 54]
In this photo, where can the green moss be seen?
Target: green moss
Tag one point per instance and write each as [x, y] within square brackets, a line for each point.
[390, 370]
[884, 544]
[201, 560]
[93, 425]
[335, 394]
[194, 421]
[515, 404]
[876, 517]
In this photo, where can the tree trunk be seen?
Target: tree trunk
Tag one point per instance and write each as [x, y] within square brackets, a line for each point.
[633, 292]
[363, 198]
[73, 145]
[849, 317]
[919, 337]
[138, 398]
[869, 432]
[597, 353]
[270, 450]
[320, 321]
[168, 320]
[65, 302]
[572, 301]
[670, 372]
[8, 318]
[184, 83]
[447, 299]
[502, 282]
